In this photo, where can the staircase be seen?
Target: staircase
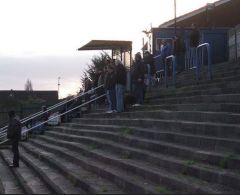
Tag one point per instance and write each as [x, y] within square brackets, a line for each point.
[183, 140]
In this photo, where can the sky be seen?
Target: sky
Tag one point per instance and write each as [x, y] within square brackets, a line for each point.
[39, 38]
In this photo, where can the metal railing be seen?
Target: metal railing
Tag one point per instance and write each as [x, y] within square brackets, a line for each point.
[198, 64]
[173, 63]
[3, 132]
[158, 72]
[161, 71]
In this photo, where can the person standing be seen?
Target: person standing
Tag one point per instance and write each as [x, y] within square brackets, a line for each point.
[138, 79]
[148, 62]
[179, 52]
[88, 87]
[121, 78]
[194, 42]
[14, 135]
[110, 89]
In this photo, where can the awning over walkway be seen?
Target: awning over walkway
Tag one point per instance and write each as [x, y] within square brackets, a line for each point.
[107, 45]
[120, 49]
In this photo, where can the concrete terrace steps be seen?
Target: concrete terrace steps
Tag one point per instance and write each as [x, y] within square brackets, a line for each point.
[203, 78]
[198, 116]
[78, 176]
[213, 143]
[8, 183]
[171, 148]
[128, 183]
[217, 129]
[157, 175]
[216, 68]
[213, 107]
[52, 178]
[219, 88]
[218, 98]
[117, 150]
[28, 180]
[217, 72]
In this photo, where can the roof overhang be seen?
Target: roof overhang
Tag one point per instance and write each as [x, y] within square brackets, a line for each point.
[107, 45]
[193, 13]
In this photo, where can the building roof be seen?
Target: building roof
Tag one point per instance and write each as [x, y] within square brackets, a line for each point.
[107, 45]
[223, 13]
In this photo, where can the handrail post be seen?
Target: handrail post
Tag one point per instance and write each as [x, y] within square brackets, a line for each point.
[165, 72]
[173, 62]
[207, 45]
[174, 70]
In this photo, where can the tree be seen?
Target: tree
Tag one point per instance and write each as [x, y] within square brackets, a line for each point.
[98, 63]
[28, 85]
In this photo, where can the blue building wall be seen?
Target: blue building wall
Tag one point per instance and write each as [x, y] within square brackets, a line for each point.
[217, 38]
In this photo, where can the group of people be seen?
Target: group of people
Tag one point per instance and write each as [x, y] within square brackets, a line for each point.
[143, 72]
[177, 47]
[113, 77]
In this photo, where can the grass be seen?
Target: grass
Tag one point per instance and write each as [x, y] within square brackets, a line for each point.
[224, 162]
[163, 190]
[125, 131]
[103, 190]
[126, 155]
[92, 146]
[190, 162]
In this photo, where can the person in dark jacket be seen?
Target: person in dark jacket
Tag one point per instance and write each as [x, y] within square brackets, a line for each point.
[149, 63]
[138, 79]
[121, 78]
[87, 87]
[194, 39]
[110, 81]
[14, 135]
[179, 52]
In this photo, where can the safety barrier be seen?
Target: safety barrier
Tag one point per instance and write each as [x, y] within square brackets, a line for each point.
[207, 46]
[173, 63]
[3, 132]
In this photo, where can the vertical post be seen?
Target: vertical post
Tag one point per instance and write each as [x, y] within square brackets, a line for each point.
[165, 73]
[175, 17]
[58, 85]
[174, 70]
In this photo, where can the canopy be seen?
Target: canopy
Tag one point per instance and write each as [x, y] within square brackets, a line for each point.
[107, 44]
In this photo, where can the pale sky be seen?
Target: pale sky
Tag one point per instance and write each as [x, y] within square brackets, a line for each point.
[39, 38]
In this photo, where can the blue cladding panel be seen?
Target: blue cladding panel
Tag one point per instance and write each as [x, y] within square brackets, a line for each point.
[217, 38]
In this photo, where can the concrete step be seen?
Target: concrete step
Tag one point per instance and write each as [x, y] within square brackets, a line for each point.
[212, 88]
[225, 107]
[170, 163]
[221, 98]
[127, 182]
[205, 156]
[149, 172]
[220, 130]
[52, 178]
[216, 68]
[235, 70]
[186, 82]
[72, 170]
[198, 116]
[8, 183]
[204, 142]
[29, 181]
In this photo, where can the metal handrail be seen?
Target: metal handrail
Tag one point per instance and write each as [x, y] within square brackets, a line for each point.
[207, 45]
[4, 129]
[85, 103]
[173, 60]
